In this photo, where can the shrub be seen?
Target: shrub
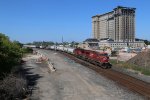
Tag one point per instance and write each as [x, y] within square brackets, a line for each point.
[27, 50]
[13, 87]
[143, 70]
[114, 53]
[10, 54]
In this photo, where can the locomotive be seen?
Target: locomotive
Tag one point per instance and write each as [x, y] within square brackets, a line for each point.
[99, 58]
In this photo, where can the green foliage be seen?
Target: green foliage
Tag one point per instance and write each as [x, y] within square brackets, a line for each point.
[126, 65]
[27, 50]
[10, 54]
[43, 43]
[74, 44]
[114, 53]
[18, 43]
[147, 42]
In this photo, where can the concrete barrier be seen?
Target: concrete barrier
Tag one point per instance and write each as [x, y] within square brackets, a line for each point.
[51, 66]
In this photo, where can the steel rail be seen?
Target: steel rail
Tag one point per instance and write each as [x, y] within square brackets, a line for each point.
[131, 83]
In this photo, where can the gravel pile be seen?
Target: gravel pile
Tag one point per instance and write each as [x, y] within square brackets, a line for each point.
[142, 59]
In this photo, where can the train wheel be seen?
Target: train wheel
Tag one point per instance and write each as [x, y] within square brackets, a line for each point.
[104, 66]
[109, 65]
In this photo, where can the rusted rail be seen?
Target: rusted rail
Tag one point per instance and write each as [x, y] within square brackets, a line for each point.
[131, 83]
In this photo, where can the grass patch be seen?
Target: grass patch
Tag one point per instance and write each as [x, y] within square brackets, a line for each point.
[27, 50]
[114, 62]
[126, 65]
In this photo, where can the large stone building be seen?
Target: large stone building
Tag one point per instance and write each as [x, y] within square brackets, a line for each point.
[118, 25]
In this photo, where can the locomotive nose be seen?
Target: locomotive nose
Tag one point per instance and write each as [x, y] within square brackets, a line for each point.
[105, 59]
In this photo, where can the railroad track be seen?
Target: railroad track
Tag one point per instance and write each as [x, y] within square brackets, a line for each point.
[131, 83]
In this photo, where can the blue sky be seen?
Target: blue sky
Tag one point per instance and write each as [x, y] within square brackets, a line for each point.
[49, 20]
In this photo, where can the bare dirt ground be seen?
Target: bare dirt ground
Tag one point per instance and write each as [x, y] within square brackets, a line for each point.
[142, 59]
[123, 56]
[71, 81]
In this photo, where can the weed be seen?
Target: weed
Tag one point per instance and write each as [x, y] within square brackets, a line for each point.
[127, 65]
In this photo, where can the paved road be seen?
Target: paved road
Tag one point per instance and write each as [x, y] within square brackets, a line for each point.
[71, 81]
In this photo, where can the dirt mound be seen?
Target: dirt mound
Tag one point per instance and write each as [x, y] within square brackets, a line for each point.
[142, 59]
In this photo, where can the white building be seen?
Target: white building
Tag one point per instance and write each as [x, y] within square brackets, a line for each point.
[110, 43]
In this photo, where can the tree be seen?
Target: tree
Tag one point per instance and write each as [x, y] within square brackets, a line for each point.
[10, 54]
[74, 44]
[147, 42]
[18, 43]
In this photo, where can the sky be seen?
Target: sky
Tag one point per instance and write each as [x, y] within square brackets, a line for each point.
[49, 20]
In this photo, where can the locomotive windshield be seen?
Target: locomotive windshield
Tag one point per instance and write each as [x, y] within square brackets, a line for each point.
[104, 54]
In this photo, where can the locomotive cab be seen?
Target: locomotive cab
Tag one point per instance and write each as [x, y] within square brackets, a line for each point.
[104, 59]
[99, 58]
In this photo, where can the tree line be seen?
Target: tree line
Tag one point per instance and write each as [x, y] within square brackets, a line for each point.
[47, 43]
[11, 53]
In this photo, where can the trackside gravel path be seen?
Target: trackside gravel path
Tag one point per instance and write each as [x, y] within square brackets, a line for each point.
[71, 81]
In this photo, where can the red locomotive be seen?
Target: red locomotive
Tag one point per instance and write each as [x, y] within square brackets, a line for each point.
[100, 59]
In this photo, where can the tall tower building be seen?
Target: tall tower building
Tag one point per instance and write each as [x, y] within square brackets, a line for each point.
[118, 25]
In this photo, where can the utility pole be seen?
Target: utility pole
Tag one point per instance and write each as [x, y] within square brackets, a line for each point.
[55, 46]
[63, 42]
[62, 39]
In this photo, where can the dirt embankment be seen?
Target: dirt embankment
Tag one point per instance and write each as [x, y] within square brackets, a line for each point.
[142, 59]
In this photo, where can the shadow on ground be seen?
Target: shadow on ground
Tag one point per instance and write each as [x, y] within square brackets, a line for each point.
[31, 78]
